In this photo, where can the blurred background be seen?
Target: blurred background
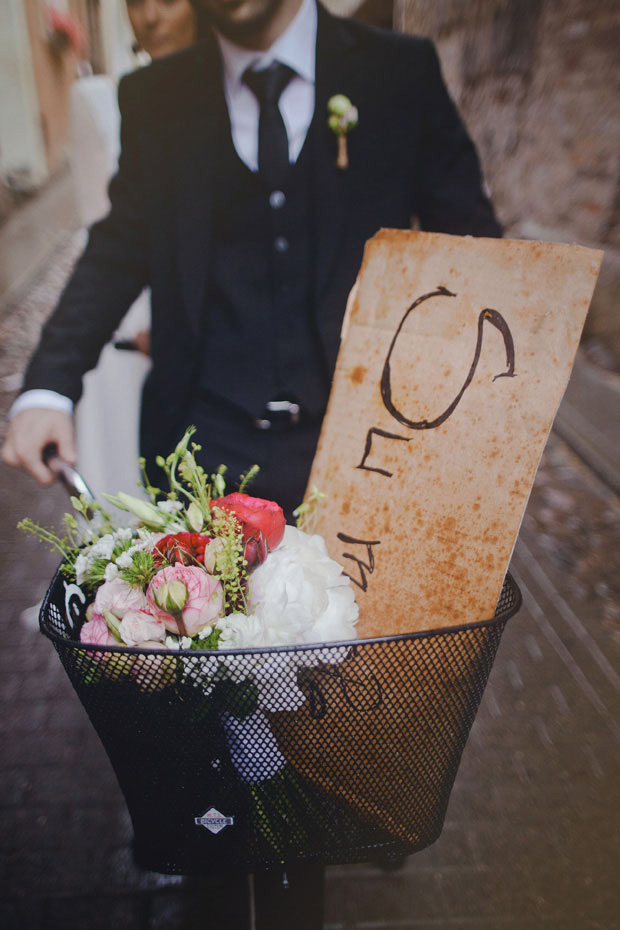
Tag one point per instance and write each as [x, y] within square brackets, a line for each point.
[531, 837]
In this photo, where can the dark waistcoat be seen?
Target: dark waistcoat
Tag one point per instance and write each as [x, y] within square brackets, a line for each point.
[261, 340]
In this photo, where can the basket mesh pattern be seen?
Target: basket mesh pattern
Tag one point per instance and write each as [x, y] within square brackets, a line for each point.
[337, 753]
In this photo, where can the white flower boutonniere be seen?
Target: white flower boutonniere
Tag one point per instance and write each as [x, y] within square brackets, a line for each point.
[342, 118]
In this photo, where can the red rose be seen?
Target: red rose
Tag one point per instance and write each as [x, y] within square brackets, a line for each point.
[187, 548]
[262, 522]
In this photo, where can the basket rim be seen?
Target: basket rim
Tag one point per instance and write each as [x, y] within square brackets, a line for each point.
[500, 618]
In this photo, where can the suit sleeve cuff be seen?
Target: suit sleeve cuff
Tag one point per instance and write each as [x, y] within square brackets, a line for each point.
[48, 400]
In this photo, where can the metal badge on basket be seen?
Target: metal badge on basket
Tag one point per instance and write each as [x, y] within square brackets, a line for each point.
[214, 821]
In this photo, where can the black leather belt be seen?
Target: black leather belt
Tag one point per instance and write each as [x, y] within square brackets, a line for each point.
[279, 415]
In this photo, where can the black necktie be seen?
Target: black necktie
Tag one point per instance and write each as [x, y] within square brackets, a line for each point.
[267, 85]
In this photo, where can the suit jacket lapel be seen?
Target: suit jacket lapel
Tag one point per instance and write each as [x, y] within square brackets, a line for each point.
[200, 121]
[335, 74]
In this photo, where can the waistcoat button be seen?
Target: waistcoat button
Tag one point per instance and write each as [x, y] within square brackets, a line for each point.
[276, 200]
[281, 244]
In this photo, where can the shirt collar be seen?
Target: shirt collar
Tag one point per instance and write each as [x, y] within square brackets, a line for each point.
[295, 48]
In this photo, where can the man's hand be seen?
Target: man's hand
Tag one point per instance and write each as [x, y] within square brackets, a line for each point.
[30, 431]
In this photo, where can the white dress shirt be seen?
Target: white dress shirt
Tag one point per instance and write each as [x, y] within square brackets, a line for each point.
[296, 47]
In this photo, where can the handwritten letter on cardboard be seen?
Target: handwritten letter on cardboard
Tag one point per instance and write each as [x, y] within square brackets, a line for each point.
[455, 355]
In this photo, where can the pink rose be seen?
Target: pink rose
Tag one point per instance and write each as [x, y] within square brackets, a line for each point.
[141, 628]
[118, 597]
[96, 633]
[185, 598]
[258, 518]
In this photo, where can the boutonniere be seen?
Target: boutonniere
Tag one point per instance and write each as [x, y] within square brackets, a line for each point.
[342, 118]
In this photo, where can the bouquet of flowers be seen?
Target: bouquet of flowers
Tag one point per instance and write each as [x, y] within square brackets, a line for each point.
[198, 570]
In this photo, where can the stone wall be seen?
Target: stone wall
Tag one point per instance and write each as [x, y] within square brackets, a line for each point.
[538, 83]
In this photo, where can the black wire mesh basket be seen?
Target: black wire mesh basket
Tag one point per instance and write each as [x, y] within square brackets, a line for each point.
[248, 759]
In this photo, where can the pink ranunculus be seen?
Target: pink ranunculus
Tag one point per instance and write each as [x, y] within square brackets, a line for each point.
[97, 633]
[118, 597]
[187, 592]
[113, 666]
[140, 628]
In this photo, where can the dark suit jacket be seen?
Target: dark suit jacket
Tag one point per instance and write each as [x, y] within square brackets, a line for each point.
[410, 156]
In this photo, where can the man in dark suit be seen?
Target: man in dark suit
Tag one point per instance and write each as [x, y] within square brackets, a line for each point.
[250, 269]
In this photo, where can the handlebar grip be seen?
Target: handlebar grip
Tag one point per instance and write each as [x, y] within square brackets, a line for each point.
[66, 474]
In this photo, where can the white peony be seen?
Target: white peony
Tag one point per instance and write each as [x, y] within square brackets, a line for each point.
[301, 595]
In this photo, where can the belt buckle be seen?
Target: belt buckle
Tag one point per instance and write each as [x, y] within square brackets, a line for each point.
[282, 414]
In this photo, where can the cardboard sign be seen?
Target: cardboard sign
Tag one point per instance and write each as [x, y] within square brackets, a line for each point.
[455, 355]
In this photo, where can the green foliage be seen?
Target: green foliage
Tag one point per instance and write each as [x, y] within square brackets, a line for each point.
[153, 492]
[96, 572]
[306, 515]
[141, 571]
[249, 476]
[206, 642]
[63, 545]
[96, 522]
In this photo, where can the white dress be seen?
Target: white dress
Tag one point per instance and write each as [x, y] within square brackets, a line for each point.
[107, 415]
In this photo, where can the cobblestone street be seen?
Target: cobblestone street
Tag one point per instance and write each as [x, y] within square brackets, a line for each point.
[531, 836]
